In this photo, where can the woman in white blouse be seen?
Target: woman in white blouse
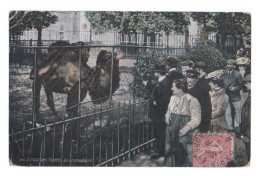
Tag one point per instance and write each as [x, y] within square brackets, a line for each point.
[182, 119]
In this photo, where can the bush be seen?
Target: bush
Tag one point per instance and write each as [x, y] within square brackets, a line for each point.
[143, 70]
[211, 56]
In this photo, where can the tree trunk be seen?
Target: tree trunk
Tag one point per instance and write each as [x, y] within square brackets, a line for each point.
[39, 41]
[205, 35]
[152, 42]
[223, 42]
[90, 34]
[123, 38]
[186, 37]
[145, 37]
[129, 38]
[167, 43]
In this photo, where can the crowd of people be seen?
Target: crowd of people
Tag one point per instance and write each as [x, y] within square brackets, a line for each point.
[192, 101]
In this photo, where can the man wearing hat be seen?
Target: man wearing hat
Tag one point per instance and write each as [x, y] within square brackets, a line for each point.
[200, 67]
[171, 65]
[198, 91]
[246, 117]
[186, 65]
[219, 101]
[158, 108]
[233, 83]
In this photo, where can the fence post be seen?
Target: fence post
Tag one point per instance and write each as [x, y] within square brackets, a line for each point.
[111, 77]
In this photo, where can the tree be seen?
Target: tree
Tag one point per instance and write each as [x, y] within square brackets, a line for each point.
[206, 20]
[234, 24]
[21, 20]
[39, 20]
[237, 25]
[148, 23]
[16, 22]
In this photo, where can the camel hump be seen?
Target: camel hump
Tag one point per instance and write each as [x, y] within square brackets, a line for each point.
[58, 43]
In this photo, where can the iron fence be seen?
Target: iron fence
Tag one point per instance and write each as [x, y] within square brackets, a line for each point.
[99, 131]
[139, 39]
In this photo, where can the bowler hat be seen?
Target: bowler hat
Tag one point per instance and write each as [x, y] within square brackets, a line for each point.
[159, 68]
[247, 78]
[231, 62]
[216, 74]
[243, 61]
[172, 62]
[187, 63]
[192, 73]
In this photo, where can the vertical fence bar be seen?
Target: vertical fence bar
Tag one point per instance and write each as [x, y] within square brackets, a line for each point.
[111, 77]
[53, 143]
[62, 140]
[147, 116]
[23, 141]
[118, 130]
[44, 143]
[79, 97]
[124, 130]
[86, 133]
[12, 144]
[34, 87]
[112, 148]
[100, 135]
[138, 131]
[129, 130]
[107, 131]
[135, 121]
[93, 140]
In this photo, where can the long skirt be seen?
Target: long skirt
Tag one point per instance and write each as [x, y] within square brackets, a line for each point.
[178, 150]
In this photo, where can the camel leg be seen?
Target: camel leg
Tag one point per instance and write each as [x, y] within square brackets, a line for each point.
[36, 93]
[50, 102]
[72, 102]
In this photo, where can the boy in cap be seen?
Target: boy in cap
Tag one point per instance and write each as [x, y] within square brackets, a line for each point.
[233, 83]
[199, 92]
[186, 65]
[158, 108]
[246, 117]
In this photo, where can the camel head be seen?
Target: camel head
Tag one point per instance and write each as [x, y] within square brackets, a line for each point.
[104, 58]
[100, 89]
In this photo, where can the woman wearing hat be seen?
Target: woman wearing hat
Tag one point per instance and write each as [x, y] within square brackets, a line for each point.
[244, 69]
[219, 101]
[182, 119]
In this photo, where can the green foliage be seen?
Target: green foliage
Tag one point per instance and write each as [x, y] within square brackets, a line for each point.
[211, 56]
[21, 20]
[143, 71]
[234, 24]
[138, 22]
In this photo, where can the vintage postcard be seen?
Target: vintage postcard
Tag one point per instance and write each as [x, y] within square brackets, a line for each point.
[129, 88]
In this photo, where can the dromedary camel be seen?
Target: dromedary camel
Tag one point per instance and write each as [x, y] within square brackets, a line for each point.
[58, 72]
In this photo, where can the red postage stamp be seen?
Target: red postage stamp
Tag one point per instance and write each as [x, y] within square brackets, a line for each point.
[212, 150]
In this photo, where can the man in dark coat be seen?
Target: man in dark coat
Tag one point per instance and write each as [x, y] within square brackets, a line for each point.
[200, 67]
[233, 83]
[171, 65]
[198, 91]
[158, 108]
[246, 117]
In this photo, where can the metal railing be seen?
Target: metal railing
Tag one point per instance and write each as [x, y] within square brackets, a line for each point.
[106, 134]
